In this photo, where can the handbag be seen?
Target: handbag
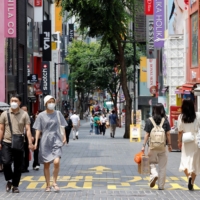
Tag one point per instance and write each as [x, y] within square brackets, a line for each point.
[187, 137]
[17, 142]
[61, 128]
[138, 157]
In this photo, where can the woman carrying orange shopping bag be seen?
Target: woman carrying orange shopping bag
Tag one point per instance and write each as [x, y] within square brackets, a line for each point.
[158, 137]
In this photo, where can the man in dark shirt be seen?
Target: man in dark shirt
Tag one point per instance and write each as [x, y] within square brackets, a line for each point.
[113, 123]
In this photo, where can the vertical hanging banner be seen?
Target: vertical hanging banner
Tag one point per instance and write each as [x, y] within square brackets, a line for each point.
[71, 32]
[10, 18]
[148, 7]
[38, 10]
[45, 78]
[151, 73]
[159, 26]
[47, 40]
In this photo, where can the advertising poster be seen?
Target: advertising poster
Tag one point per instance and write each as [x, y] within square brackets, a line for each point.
[175, 111]
[177, 13]
[151, 73]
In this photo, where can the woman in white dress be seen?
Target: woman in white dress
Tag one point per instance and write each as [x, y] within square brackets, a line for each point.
[190, 153]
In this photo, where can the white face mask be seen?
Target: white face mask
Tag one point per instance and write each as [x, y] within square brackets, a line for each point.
[51, 106]
[14, 105]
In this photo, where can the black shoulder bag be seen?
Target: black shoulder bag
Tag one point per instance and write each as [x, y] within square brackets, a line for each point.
[17, 142]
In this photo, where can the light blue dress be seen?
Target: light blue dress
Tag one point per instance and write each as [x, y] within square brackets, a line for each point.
[51, 140]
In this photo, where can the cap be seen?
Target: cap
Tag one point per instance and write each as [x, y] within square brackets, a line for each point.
[47, 98]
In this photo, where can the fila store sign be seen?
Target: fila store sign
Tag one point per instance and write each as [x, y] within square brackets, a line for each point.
[46, 40]
[45, 78]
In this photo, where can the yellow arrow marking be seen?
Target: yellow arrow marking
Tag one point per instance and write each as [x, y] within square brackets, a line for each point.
[100, 169]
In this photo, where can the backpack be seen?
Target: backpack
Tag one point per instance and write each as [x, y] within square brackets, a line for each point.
[157, 138]
[69, 122]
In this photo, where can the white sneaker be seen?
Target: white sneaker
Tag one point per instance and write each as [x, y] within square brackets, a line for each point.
[153, 175]
[36, 168]
[153, 181]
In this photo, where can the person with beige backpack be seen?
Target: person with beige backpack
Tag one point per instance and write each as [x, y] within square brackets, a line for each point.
[158, 137]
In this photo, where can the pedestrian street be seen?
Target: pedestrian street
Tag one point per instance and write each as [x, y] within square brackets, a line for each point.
[100, 167]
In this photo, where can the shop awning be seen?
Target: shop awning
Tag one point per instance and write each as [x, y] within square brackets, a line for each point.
[179, 90]
[187, 88]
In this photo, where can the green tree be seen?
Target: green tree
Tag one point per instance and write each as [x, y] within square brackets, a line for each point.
[79, 54]
[109, 19]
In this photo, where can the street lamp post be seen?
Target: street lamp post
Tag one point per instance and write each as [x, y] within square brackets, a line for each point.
[55, 64]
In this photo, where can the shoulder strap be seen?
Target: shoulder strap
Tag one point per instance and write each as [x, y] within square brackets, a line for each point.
[58, 116]
[162, 122]
[152, 121]
[9, 122]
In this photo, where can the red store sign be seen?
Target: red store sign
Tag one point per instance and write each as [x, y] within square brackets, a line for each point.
[38, 3]
[148, 6]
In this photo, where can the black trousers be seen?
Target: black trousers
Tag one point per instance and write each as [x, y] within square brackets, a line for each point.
[68, 131]
[8, 156]
[35, 156]
[103, 128]
[26, 155]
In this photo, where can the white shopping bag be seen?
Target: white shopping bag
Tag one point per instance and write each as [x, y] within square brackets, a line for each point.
[198, 139]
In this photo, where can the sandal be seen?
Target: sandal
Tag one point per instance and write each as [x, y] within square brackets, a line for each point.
[48, 189]
[55, 187]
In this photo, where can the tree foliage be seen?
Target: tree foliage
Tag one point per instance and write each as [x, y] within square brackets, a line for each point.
[92, 69]
[111, 20]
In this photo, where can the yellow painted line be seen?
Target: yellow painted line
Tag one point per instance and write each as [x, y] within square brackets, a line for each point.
[135, 179]
[111, 187]
[174, 178]
[42, 178]
[87, 185]
[76, 178]
[64, 178]
[71, 185]
[28, 178]
[36, 185]
[88, 178]
[125, 184]
[176, 186]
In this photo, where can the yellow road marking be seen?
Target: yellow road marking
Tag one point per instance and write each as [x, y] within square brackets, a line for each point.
[135, 179]
[87, 185]
[174, 178]
[176, 186]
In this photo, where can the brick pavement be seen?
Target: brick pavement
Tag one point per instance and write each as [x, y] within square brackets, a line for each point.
[100, 167]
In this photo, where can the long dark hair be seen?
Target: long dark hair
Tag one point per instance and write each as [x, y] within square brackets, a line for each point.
[158, 113]
[188, 111]
[172, 11]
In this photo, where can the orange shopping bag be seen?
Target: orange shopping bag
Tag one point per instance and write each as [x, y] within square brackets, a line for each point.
[138, 157]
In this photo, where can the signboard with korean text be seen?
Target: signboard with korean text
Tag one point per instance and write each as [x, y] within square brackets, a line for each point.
[151, 73]
[10, 21]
